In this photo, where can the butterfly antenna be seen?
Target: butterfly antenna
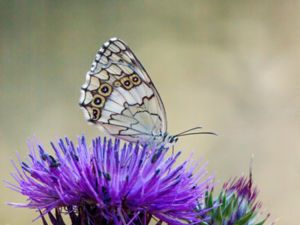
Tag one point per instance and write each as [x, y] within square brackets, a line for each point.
[195, 133]
[186, 131]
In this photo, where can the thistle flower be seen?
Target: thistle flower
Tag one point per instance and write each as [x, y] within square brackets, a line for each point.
[236, 204]
[110, 184]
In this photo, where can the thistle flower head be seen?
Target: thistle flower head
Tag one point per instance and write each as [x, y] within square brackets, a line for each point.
[110, 184]
[235, 205]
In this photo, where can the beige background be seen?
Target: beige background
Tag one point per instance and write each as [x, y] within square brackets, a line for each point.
[230, 66]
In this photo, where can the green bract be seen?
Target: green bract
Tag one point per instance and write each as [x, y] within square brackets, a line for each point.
[235, 205]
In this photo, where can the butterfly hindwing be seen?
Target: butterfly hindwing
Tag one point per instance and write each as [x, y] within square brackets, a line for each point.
[119, 95]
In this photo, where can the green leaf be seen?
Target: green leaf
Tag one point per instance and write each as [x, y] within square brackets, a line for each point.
[206, 198]
[228, 209]
[245, 219]
[219, 215]
[235, 201]
[203, 223]
[262, 222]
[223, 199]
[210, 201]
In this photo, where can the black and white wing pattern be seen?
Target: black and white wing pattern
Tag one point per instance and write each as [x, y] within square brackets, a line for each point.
[119, 96]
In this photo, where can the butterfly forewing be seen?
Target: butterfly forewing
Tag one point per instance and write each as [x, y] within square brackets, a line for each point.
[119, 95]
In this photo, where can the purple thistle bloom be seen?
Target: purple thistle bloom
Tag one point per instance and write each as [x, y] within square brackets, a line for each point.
[245, 191]
[235, 205]
[110, 184]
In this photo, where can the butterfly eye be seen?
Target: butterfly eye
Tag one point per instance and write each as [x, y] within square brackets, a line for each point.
[98, 101]
[126, 82]
[105, 90]
[96, 114]
[117, 83]
[135, 79]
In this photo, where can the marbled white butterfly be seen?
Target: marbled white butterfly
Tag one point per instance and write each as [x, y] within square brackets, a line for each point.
[119, 96]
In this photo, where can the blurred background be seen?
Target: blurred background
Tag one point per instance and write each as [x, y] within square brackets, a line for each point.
[229, 66]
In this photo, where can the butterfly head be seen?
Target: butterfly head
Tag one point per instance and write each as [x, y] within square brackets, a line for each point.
[170, 139]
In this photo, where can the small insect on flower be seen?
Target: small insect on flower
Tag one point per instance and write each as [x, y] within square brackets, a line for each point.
[110, 183]
[235, 205]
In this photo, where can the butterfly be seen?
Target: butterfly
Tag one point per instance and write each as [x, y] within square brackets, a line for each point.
[119, 96]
